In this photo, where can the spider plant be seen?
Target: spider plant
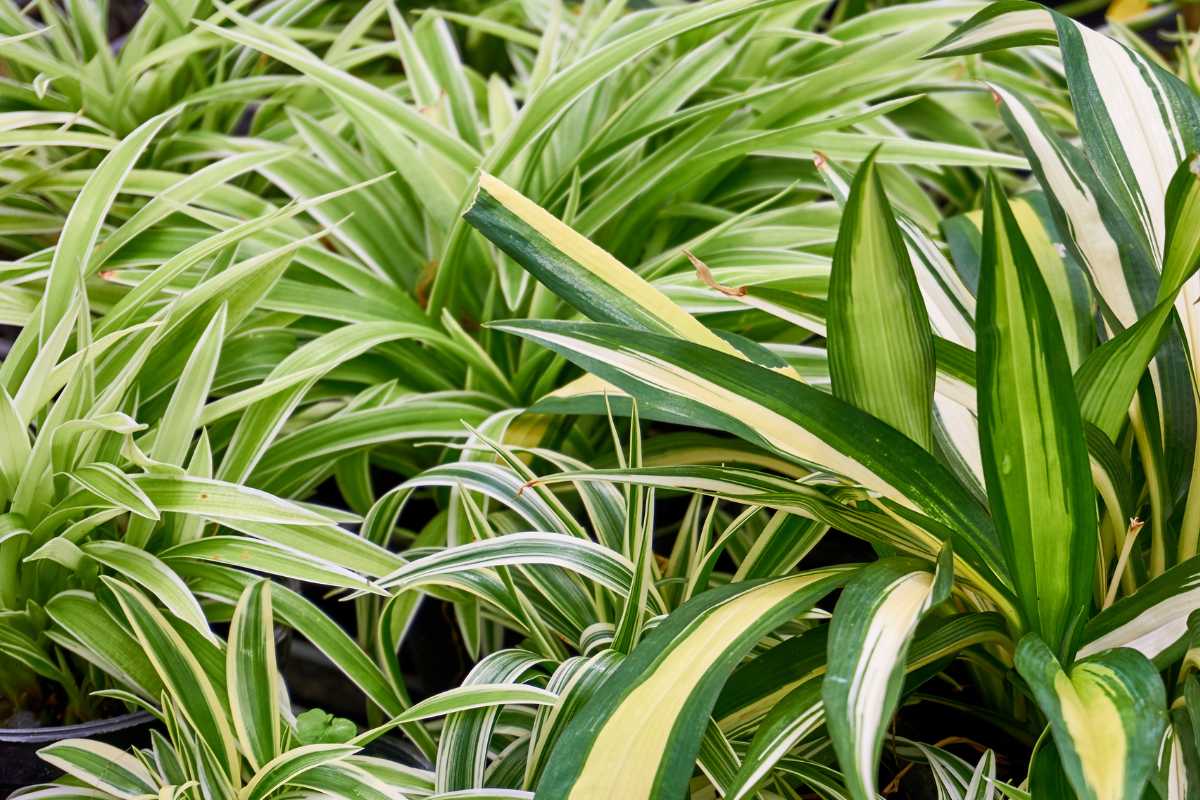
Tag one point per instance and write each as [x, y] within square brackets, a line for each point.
[107, 465]
[996, 475]
[644, 128]
[229, 731]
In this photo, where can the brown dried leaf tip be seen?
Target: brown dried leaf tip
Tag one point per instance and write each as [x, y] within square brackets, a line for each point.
[706, 275]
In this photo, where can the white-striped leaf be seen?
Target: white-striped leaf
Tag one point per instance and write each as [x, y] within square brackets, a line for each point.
[100, 765]
[869, 636]
[1153, 620]
[110, 483]
[253, 676]
[271, 558]
[288, 768]
[587, 558]
[640, 734]
[477, 695]
[781, 415]
[154, 576]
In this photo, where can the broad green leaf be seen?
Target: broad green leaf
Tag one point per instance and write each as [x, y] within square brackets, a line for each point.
[1137, 123]
[639, 735]
[1107, 714]
[1031, 436]
[879, 339]
[319, 727]
[1064, 276]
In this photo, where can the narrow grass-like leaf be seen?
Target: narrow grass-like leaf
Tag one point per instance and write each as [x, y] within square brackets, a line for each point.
[477, 695]
[222, 500]
[287, 767]
[253, 676]
[85, 619]
[589, 559]
[272, 558]
[175, 429]
[102, 766]
[110, 483]
[182, 674]
[82, 226]
[154, 576]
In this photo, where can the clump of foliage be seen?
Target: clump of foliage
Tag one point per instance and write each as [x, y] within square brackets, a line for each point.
[834, 288]
[228, 729]
[995, 467]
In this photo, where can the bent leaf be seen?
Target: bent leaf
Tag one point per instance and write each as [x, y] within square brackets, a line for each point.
[872, 626]
[640, 734]
[1107, 715]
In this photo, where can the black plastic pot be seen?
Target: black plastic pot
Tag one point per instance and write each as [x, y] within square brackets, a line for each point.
[19, 762]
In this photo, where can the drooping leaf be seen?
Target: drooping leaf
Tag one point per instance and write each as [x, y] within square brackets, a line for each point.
[639, 735]
[1107, 713]
[871, 629]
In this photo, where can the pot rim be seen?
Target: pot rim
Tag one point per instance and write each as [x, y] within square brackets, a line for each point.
[54, 733]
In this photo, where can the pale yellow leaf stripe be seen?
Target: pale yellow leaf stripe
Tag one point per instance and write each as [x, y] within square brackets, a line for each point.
[624, 758]
[775, 429]
[892, 626]
[604, 266]
[1095, 726]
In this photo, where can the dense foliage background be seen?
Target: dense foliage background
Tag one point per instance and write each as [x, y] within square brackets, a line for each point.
[747, 398]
